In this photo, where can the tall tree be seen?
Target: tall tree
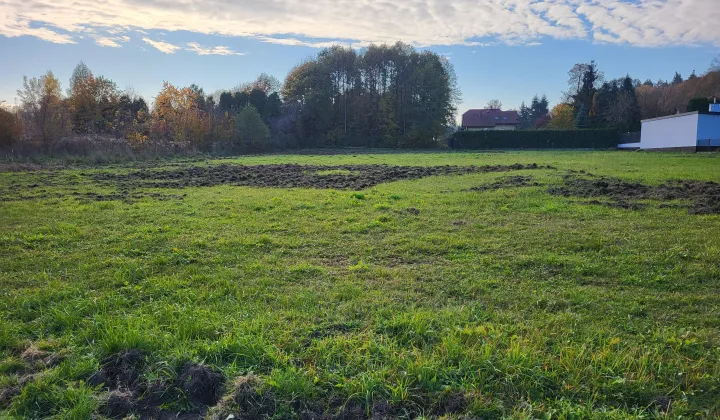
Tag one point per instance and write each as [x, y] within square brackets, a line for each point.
[41, 100]
[525, 117]
[583, 82]
[389, 95]
[81, 98]
[677, 79]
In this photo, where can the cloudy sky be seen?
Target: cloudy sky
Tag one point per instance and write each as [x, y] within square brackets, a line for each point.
[506, 49]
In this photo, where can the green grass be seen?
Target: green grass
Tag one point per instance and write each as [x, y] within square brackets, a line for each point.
[526, 305]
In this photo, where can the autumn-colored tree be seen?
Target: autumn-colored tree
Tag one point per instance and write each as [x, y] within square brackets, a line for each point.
[563, 117]
[177, 117]
[41, 101]
[668, 99]
[81, 99]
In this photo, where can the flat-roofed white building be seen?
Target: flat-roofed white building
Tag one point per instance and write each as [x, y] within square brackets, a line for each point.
[689, 132]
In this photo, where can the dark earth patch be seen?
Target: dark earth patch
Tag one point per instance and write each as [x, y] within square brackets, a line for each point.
[699, 197]
[121, 370]
[353, 177]
[129, 187]
[507, 182]
[128, 393]
[201, 384]
[249, 399]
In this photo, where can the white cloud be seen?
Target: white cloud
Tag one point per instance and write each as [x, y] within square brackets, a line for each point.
[219, 50]
[650, 23]
[113, 42]
[13, 26]
[107, 42]
[162, 46]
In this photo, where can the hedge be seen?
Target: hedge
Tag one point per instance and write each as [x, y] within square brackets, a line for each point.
[536, 139]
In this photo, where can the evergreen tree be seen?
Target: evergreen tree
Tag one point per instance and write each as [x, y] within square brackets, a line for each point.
[583, 82]
[677, 79]
[693, 76]
[525, 117]
[543, 107]
[253, 135]
[700, 104]
[581, 118]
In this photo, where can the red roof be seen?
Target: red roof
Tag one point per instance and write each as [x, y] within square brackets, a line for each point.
[486, 118]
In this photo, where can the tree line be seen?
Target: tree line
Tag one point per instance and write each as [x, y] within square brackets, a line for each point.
[382, 96]
[592, 102]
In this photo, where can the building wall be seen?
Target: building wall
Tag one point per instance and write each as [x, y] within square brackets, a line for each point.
[672, 132]
[496, 128]
[708, 131]
[504, 127]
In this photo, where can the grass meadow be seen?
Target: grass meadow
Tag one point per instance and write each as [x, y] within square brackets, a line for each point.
[407, 299]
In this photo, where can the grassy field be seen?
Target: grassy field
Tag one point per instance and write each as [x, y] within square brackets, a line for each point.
[417, 297]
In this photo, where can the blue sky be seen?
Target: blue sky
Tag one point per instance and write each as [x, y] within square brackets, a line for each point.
[504, 49]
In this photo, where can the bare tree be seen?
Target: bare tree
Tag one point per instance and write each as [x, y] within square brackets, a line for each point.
[494, 104]
[715, 65]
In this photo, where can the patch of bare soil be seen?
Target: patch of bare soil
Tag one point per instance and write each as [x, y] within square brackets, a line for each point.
[120, 375]
[507, 182]
[699, 197]
[201, 384]
[352, 177]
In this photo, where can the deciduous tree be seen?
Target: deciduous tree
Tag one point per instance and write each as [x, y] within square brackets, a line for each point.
[253, 135]
[494, 104]
[563, 117]
[41, 100]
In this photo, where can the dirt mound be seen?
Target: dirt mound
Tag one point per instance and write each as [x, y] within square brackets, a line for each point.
[353, 177]
[700, 197]
[202, 384]
[121, 370]
[120, 402]
[7, 394]
[507, 182]
[128, 393]
[249, 400]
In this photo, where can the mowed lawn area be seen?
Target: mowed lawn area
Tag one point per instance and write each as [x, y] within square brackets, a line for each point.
[500, 291]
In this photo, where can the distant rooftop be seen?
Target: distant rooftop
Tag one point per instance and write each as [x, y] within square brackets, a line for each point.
[485, 118]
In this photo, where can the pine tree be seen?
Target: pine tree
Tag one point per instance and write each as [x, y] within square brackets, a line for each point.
[581, 119]
[677, 79]
[525, 117]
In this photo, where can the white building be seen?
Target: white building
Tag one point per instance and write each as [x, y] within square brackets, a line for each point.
[687, 132]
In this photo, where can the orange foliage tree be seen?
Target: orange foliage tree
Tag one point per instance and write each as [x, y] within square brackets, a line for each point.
[177, 117]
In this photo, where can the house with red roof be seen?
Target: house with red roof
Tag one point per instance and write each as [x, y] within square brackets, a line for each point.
[490, 119]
